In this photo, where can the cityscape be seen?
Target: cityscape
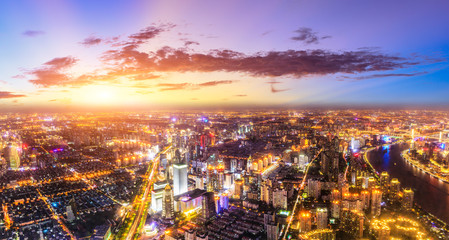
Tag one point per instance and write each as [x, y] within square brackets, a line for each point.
[208, 120]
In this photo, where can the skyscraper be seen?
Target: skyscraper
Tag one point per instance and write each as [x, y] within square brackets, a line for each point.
[280, 198]
[208, 206]
[384, 180]
[408, 199]
[305, 220]
[179, 178]
[167, 203]
[12, 156]
[321, 218]
[376, 200]
[238, 189]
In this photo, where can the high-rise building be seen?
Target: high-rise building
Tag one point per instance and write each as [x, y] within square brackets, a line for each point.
[224, 201]
[12, 156]
[335, 211]
[72, 210]
[265, 192]
[180, 178]
[280, 198]
[272, 230]
[167, 203]
[314, 188]
[208, 206]
[157, 196]
[384, 180]
[305, 221]
[376, 200]
[408, 199]
[395, 187]
[321, 218]
[335, 195]
[238, 188]
[365, 199]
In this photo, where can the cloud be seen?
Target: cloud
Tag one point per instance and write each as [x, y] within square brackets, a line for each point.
[274, 90]
[145, 76]
[173, 86]
[384, 75]
[190, 42]
[215, 83]
[52, 72]
[191, 86]
[62, 100]
[307, 36]
[146, 34]
[240, 95]
[266, 33]
[91, 41]
[127, 61]
[273, 82]
[5, 94]
[266, 64]
[33, 33]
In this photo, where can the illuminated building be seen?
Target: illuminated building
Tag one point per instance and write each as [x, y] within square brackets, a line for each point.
[376, 200]
[321, 218]
[365, 196]
[189, 234]
[180, 178]
[352, 222]
[371, 182]
[305, 221]
[72, 210]
[408, 199]
[335, 211]
[272, 229]
[208, 206]
[314, 188]
[384, 180]
[12, 156]
[167, 203]
[229, 180]
[188, 201]
[335, 195]
[280, 198]
[394, 187]
[157, 196]
[199, 182]
[265, 192]
[238, 189]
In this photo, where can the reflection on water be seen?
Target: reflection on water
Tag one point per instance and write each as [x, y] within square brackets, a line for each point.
[430, 193]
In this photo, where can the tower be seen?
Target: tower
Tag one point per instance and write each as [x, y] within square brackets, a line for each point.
[167, 203]
[179, 178]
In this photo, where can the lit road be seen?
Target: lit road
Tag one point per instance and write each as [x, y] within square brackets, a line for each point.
[299, 194]
[141, 212]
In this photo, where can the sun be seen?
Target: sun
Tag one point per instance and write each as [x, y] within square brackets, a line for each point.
[100, 95]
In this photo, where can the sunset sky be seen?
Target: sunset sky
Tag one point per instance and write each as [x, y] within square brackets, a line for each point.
[190, 54]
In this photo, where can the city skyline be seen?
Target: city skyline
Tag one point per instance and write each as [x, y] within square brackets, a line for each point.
[142, 55]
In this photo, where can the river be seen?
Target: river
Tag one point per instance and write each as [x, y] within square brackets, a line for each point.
[430, 193]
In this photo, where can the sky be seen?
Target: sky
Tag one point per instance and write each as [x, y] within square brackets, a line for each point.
[143, 55]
